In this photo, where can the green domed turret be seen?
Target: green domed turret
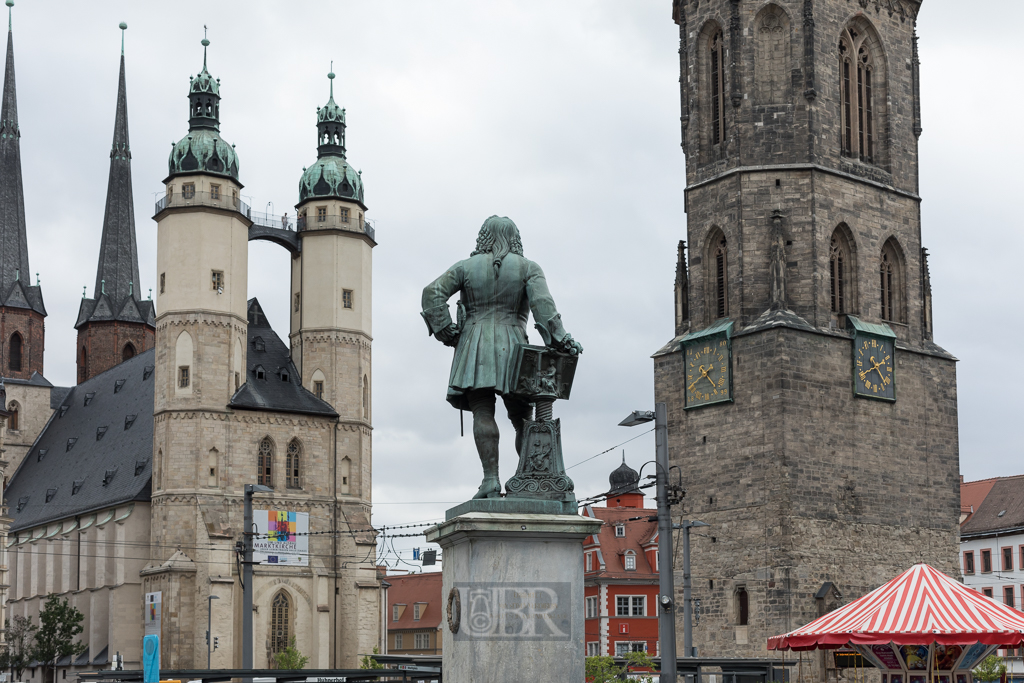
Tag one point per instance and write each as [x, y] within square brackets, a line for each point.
[203, 150]
[331, 175]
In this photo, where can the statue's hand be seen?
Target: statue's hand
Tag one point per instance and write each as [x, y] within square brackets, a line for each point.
[568, 345]
[449, 336]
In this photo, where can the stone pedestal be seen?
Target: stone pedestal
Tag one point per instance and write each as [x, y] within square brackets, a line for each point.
[513, 586]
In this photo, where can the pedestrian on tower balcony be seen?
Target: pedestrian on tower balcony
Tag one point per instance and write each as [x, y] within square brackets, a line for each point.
[284, 220]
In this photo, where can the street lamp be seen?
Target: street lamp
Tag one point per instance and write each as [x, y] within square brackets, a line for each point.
[209, 622]
[247, 534]
[666, 615]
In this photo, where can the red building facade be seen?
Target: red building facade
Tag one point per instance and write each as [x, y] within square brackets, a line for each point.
[620, 567]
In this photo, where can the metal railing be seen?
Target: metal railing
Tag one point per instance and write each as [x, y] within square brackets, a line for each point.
[217, 200]
[267, 220]
[350, 223]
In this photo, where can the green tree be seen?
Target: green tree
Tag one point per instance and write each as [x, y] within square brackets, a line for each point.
[991, 668]
[59, 623]
[602, 670]
[369, 662]
[290, 658]
[17, 651]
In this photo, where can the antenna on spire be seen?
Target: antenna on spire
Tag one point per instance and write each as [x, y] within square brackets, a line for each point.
[122, 26]
[330, 75]
[10, 4]
[205, 43]
[83, 291]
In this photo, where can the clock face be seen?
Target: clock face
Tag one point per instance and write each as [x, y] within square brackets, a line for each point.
[873, 368]
[708, 369]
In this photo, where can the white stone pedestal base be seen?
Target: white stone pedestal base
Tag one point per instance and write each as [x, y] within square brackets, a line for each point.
[513, 584]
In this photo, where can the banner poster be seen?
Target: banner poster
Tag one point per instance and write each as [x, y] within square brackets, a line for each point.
[281, 538]
[154, 605]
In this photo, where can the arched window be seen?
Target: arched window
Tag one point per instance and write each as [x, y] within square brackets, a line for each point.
[265, 463]
[841, 270]
[14, 358]
[12, 421]
[771, 66]
[891, 282]
[293, 457]
[860, 82]
[127, 352]
[718, 276]
[716, 78]
[83, 367]
[743, 607]
[280, 624]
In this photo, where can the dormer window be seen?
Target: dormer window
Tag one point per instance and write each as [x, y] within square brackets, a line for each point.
[50, 493]
[129, 420]
[258, 344]
[629, 561]
[260, 372]
[620, 531]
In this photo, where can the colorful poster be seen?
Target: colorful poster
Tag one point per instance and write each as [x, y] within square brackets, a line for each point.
[945, 656]
[886, 656]
[973, 655]
[282, 537]
[916, 657]
[896, 678]
[153, 607]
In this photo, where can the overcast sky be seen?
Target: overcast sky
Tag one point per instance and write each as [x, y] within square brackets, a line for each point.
[561, 114]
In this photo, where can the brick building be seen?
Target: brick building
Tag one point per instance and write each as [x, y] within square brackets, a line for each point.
[129, 486]
[620, 566]
[813, 415]
[415, 614]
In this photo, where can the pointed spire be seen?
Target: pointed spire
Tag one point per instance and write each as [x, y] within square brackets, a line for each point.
[206, 44]
[118, 263]
[122, 26]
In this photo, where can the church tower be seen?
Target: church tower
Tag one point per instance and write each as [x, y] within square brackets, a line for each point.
[116, 324]
[812, 415]
[331, 294]
[21, 303]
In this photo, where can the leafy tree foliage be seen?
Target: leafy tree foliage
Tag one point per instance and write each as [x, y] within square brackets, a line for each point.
[290, 658]
[992, 668]
[59, 623]
[17, 651]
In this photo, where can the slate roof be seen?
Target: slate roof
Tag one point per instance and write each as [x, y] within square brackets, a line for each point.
[16, 287]
[1007, 497]
[102, 430]
[280, 389]
[411, 589]
[118, 285]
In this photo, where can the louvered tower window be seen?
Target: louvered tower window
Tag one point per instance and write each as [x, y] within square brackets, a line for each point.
[716, 61]
[293, 458]
[265, 463]
[856, 73]
[721, 273]
[890, 267]
[14, 359]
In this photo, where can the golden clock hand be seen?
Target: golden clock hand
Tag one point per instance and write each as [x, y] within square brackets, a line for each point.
[702, 376]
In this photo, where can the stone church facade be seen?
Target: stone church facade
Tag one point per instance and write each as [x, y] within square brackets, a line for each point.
[822, 474]
[130, 484]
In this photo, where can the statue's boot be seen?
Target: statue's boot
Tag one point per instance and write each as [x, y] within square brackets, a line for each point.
[490, 487]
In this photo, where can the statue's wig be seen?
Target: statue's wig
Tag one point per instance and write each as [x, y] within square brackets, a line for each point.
[498, 237]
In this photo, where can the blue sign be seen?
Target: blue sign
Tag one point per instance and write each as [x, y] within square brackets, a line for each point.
[151, 659]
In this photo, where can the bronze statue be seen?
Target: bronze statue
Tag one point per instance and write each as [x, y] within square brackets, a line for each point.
[499, 289]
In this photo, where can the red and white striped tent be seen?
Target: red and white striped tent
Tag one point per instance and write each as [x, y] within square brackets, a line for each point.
[920, 606]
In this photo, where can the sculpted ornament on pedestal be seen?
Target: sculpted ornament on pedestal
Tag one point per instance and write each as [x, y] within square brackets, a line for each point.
[499, 289]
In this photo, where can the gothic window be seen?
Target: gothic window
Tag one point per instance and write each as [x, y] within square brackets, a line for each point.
[716, 76]
[292, 459]
[891, 282]
[771, 63]
[265, 463]
[717, 276]
[861, 80]
[14, 359]
[841, 269]
[83, 368]
[127, 352]
[12, 421]
[280, 624]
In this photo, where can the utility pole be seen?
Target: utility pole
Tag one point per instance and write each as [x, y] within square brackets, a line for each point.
[687, 603]
[247, 534]
[209, 624]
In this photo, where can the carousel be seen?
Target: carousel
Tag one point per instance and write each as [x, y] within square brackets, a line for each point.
[921, 627]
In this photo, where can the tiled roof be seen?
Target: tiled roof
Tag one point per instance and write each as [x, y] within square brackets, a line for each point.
[410, 589]
[972, 493]
[280, 389]
[639, 532]
[1001, 508]
[95, 451]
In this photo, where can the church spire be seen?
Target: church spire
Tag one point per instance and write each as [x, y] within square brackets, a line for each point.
[14, 265]
[117, 272]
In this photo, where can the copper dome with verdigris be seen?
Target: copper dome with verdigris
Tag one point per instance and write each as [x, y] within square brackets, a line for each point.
[203, 150]
[331, 175]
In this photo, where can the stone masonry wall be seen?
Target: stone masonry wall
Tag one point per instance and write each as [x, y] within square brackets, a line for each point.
[29, 325]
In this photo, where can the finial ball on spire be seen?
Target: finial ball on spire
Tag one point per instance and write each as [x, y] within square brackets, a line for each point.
[121, 26]
[10, 3]
[331, 75]
[204, 42]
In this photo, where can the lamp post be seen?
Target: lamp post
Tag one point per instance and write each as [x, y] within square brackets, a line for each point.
[666, 587]
[209, 623]
[247, 534]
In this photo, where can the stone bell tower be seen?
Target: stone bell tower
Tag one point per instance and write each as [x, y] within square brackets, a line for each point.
[811, 413]
[331, 312]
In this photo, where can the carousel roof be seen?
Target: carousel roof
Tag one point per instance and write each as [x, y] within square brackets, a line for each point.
[920, 606]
